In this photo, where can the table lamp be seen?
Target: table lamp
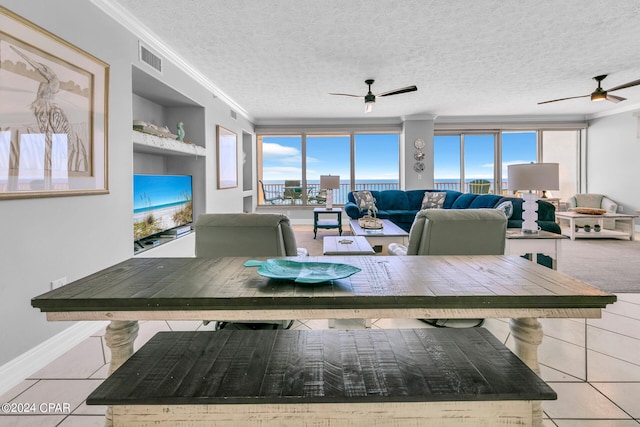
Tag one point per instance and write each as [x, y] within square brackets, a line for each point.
[532, 177]
[329, 183]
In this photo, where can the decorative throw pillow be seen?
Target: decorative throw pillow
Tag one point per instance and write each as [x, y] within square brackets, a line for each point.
[506, 207]
[365, 201]
[433, 200]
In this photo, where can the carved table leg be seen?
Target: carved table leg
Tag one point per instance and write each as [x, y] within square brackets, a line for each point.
[120, 336]
[527, 334]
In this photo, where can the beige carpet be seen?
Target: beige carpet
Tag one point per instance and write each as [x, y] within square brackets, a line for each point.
[609, 264]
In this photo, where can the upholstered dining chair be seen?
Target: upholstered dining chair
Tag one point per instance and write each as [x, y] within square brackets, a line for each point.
[455, 232]
[250, 235]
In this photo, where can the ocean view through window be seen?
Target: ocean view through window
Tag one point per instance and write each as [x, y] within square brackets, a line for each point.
[362, 160]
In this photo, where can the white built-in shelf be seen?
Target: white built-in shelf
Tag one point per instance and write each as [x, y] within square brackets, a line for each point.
[147, 143]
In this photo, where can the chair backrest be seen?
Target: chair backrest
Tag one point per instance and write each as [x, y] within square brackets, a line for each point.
[244, 234]
[479, 186]
[458, 232]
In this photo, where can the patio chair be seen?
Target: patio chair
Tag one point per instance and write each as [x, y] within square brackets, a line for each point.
[317, 196]
[270, 196]
[479, 186]
[292, 190]
[246, 235]
[455, 232]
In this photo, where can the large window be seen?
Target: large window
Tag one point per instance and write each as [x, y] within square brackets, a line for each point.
[464, 162]
[290, 166]
[562, 147]
[377, 162]
[517, 148]
[446, 162]
[327, 155]
[477, 162]
[279, 160]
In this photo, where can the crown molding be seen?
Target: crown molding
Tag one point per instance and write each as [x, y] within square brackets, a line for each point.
[129, 22]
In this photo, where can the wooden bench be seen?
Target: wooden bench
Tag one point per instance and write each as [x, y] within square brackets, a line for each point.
[434, 377]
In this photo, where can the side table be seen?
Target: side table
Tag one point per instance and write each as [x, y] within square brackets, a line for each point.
[327, 223]
[543, 242]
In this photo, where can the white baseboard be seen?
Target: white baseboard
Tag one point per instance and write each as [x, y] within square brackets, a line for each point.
[23, 366]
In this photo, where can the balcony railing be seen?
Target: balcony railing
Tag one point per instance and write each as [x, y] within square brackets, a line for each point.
[278, 194]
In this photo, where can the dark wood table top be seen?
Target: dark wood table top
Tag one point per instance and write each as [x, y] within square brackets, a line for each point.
[491, 286]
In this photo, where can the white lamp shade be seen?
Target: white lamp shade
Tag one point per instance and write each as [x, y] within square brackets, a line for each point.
[329, 182]
[533, 176]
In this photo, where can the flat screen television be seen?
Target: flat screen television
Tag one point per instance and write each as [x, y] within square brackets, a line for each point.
[161, 203]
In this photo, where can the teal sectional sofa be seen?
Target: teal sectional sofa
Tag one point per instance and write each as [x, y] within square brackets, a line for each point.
[401, 207]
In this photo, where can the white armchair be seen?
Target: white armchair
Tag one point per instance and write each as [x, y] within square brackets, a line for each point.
[596, 201]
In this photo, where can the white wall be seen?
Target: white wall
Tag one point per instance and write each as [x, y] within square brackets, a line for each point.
[612, 153]
[49, 238]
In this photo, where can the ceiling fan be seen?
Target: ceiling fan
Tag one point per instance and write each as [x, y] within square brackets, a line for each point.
[370, 98]
[600, 94]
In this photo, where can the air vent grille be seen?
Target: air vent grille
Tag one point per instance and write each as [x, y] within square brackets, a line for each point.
[234, 115]
[150, 58]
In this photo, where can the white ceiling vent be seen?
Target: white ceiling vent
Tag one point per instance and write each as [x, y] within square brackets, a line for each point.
[150, 58]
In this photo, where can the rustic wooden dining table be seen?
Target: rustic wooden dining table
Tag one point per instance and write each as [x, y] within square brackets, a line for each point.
[386, 287]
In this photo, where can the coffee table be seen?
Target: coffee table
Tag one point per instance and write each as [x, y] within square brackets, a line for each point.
[389, 233]
[625, 220]
[346, 245]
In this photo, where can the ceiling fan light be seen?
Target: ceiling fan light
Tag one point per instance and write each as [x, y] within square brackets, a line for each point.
[369, 100]
[368, 106]
[599, 96]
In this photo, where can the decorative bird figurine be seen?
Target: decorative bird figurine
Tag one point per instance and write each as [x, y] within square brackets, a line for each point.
[52, 119]
[180, 131]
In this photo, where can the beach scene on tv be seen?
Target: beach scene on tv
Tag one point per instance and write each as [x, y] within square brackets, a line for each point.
[160, 203]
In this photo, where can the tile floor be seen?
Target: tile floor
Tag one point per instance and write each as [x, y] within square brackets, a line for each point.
[593, 365]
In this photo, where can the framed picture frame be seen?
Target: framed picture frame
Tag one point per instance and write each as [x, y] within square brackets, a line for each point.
[54, 114]
[227, 158]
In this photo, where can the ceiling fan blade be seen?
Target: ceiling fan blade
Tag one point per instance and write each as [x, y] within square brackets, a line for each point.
[624, 86]
[346, 94]
[398, 91]
[614, 98]
[563, 99]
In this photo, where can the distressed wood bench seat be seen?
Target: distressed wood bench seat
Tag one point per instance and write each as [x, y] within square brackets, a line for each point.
[405, 377]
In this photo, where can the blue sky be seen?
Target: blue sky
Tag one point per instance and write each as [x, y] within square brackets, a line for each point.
[161, 189]
[517, 147]
[376, 157]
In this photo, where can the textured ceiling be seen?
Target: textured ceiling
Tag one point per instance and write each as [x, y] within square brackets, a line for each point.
[279, 59]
